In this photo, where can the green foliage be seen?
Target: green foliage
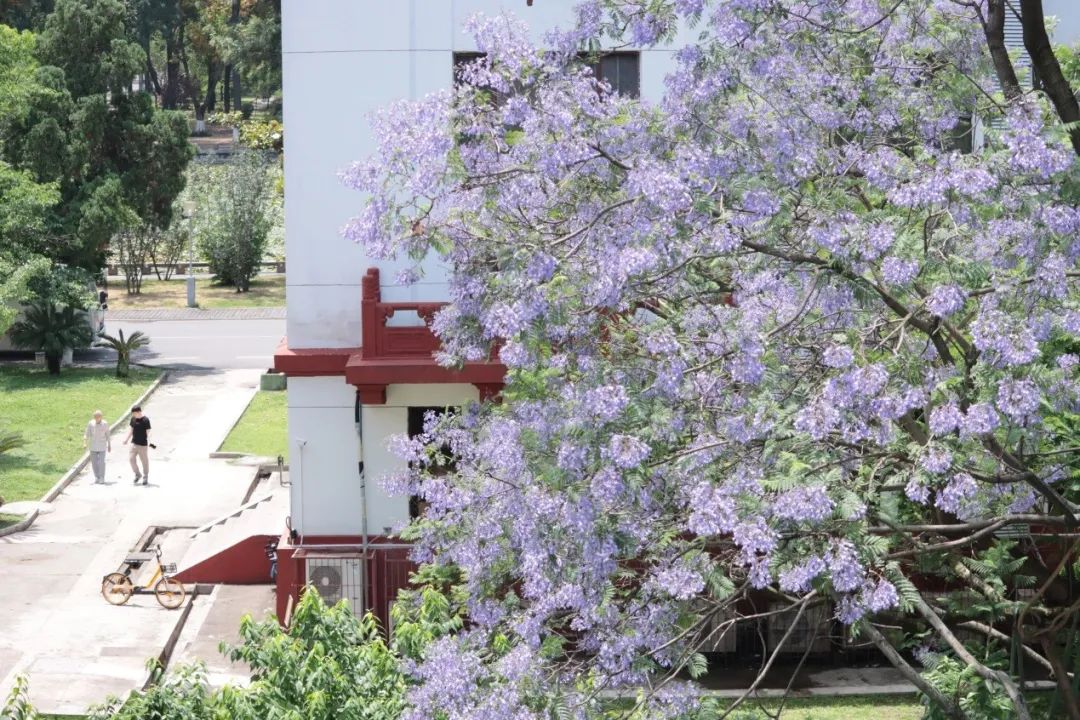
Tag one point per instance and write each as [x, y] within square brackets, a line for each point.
[52, 329]
[227, 119]
[90, 40]
[235, 218]
[85, 153]
[17, 706]
[262, 134]
[329, 665]
[979, 699]
[10, 440]
[124, 347]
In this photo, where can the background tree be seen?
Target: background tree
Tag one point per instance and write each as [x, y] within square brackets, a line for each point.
[774, 343]
[107, 148]
[234, 220]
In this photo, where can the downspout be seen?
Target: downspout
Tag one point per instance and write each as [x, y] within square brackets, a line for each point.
[359, 423]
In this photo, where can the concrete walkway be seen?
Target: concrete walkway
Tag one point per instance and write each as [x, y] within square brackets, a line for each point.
[54, 625]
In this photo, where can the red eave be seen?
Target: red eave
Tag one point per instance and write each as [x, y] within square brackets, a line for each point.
[387, 371]
[311, 362]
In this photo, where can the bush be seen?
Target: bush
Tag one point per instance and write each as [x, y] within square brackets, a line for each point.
[262, 135]
[228, 119]
[52, 329]
[234, 219]
[246, 109]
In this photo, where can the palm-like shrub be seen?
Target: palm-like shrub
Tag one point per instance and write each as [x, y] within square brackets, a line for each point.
[124, 347]
[52, 329]
[10, 440]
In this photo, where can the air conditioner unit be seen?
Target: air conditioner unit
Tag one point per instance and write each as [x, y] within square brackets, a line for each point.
[811, 631]
[337, 579]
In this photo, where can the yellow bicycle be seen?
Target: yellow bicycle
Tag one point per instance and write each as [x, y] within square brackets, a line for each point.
[117, 588]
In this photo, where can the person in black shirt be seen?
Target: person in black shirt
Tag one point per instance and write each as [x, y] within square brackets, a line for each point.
[139, 436]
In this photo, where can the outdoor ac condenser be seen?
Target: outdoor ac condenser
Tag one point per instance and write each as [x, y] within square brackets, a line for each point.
[337, 579]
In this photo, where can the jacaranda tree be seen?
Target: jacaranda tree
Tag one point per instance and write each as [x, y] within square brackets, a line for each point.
[779, 333]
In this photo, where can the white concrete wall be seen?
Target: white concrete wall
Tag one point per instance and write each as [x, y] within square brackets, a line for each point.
[343, 60]
[326, 496]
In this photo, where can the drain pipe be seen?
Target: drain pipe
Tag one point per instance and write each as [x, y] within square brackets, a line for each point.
[358, 421]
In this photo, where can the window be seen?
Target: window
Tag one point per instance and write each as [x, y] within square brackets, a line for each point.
[620, 70]
[416, 427]
[461, 59]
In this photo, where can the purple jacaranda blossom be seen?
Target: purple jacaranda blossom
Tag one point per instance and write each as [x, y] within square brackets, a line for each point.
[946, 300]
[957, 493]
[1019, 400]
[838, 356]
[627, 451]
[810, 502]
[798, 577]
[945, 418]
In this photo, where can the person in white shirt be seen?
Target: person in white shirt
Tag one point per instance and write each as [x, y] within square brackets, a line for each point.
[96, 440]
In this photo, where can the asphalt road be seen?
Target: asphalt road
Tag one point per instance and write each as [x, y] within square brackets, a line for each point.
[201, 343]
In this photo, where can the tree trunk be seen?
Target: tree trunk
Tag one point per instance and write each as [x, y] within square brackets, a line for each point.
[226, 87]
[236, 90]
[994, 29]
[1061, 675]
[171, 97]
[211, 85]
[52, 362]
[154, 86]
[1047, 69]
[944, 702]
[234, 75]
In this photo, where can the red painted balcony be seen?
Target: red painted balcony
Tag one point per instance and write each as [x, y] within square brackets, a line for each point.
[389, 354]
[392, 354]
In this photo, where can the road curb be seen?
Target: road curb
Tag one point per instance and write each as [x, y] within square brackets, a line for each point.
[21, 525]
[75, 469]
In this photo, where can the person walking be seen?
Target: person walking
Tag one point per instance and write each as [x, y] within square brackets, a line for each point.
[139, 436]
[96, 439]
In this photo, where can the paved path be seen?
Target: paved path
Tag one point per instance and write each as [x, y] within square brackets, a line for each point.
[54, 625]
[151, 314]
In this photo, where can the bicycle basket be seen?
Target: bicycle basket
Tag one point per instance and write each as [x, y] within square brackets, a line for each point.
[168, 567]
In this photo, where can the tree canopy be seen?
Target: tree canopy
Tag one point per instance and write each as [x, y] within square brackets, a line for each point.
[76, 126]
[774, 339]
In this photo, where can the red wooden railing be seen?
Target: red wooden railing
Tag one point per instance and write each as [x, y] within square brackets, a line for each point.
[381, 341]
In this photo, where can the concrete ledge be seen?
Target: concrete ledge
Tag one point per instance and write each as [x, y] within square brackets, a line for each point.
[157, 671]
[75, 469]
[226, 455]
[23, 524]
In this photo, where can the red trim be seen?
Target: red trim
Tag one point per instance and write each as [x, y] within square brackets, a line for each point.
[389, 355]
[311, 362]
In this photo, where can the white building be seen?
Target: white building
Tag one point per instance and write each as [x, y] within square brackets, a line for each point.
[354, 380]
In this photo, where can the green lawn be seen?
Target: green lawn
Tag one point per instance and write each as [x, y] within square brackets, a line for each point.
[51, 412]
[879, 707]
[262, 429]
[7, 520]
[268, 291]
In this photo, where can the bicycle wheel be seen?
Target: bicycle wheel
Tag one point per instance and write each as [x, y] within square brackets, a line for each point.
[116, 588]
[169, 592]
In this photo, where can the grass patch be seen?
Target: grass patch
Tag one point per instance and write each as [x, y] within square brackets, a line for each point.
[267, 291]
[876, 707]
[51, 412]
[7, 520]
[262, 429]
